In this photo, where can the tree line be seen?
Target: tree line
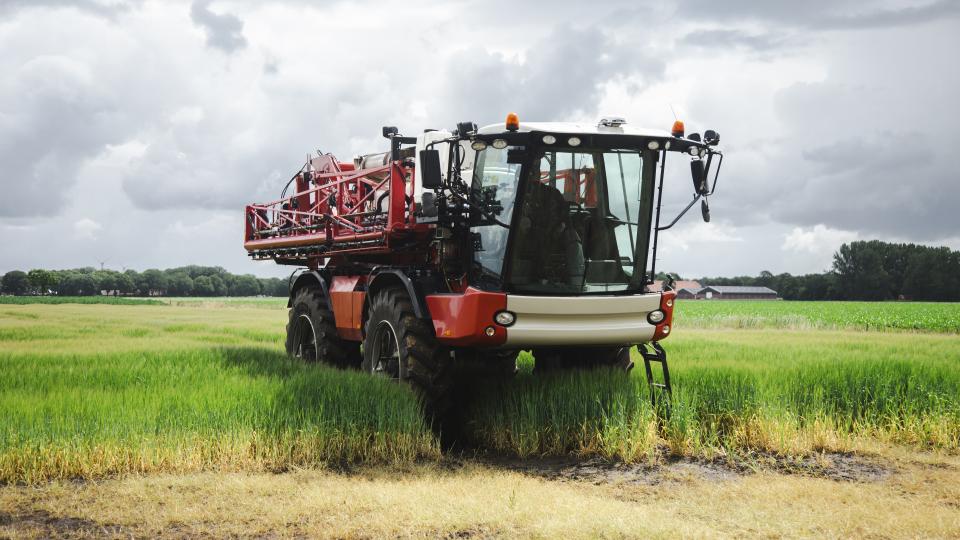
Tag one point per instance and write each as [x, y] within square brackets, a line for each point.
[863, 270]
[869, 270]
[183, 281]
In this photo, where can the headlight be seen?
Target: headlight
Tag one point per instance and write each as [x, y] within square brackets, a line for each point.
[655, 317]
[504, 318]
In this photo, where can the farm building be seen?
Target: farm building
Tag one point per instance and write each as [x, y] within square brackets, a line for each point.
[735, 292]
[693, 290]
[688, 293]
[677, 285]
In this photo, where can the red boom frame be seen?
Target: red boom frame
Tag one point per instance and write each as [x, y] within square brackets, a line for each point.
[335, 209]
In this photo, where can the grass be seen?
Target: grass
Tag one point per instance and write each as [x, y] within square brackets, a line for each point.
[882, 316]
[90, 391]
[678, 501]
[98, 390]
[111, 300]
[737, 393]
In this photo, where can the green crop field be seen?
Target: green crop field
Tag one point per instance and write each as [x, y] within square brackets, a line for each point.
[918, 316]
[186, 385]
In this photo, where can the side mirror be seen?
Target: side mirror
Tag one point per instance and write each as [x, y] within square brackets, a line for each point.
[705, 210]
[430, 175]
[699, 176]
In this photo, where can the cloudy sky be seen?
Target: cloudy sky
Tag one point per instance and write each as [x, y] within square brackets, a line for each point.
[132, 132]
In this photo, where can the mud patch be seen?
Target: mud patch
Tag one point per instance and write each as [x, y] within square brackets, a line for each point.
[837, 466]
[43, 524]
[841, 467]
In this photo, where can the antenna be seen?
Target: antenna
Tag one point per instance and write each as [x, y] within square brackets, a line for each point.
[673, 111]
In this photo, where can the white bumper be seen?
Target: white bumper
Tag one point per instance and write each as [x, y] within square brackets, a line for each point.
[580, 320]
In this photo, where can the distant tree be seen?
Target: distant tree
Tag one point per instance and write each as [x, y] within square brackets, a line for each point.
[859, 267]
[245, 285]
[15, 282]
[273, 287]
[42, 280]
[179, 284]
[219, 287]
[152, 282]
[74, 283]
[124, 283]
[106, 280]
[203, 286]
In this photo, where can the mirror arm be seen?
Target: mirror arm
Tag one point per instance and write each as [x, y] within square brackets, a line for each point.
[681, 214]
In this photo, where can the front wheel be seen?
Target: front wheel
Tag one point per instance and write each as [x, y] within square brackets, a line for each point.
[399, 346]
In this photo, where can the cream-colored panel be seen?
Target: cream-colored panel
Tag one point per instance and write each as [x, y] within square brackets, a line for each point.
[580, 320]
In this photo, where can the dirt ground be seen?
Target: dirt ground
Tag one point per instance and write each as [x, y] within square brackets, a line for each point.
[891, 494]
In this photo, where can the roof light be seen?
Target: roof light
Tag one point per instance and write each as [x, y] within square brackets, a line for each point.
[499, 144]
[478, 145]
[549, 139]
[677, 130]
[573, 141]
[513, 122]
[653, 145]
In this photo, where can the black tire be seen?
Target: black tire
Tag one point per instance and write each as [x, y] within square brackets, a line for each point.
[546, 360]
[400, 346]
[312, 332]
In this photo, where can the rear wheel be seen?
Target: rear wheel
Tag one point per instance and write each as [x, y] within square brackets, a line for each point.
[312, 333]
[400, 346]
[618, 358]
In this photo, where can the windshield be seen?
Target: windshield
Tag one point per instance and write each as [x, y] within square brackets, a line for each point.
[584, 218]
[495, 183]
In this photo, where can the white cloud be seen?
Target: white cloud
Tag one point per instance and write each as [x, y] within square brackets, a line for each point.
[699, 233]
[86, 229]
[817, 240]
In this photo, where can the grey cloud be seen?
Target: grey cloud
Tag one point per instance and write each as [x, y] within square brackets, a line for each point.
[53, 116]
[560, 75]
[224, 30]
[726, 38]
[823, 14]
[105, 8]
[889, 183]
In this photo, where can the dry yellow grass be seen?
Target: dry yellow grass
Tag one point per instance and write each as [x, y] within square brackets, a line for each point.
[920, 498]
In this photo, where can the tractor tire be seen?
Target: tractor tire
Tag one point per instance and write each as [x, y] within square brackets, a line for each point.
[402, 347]
[547, 360]
[312, 333]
